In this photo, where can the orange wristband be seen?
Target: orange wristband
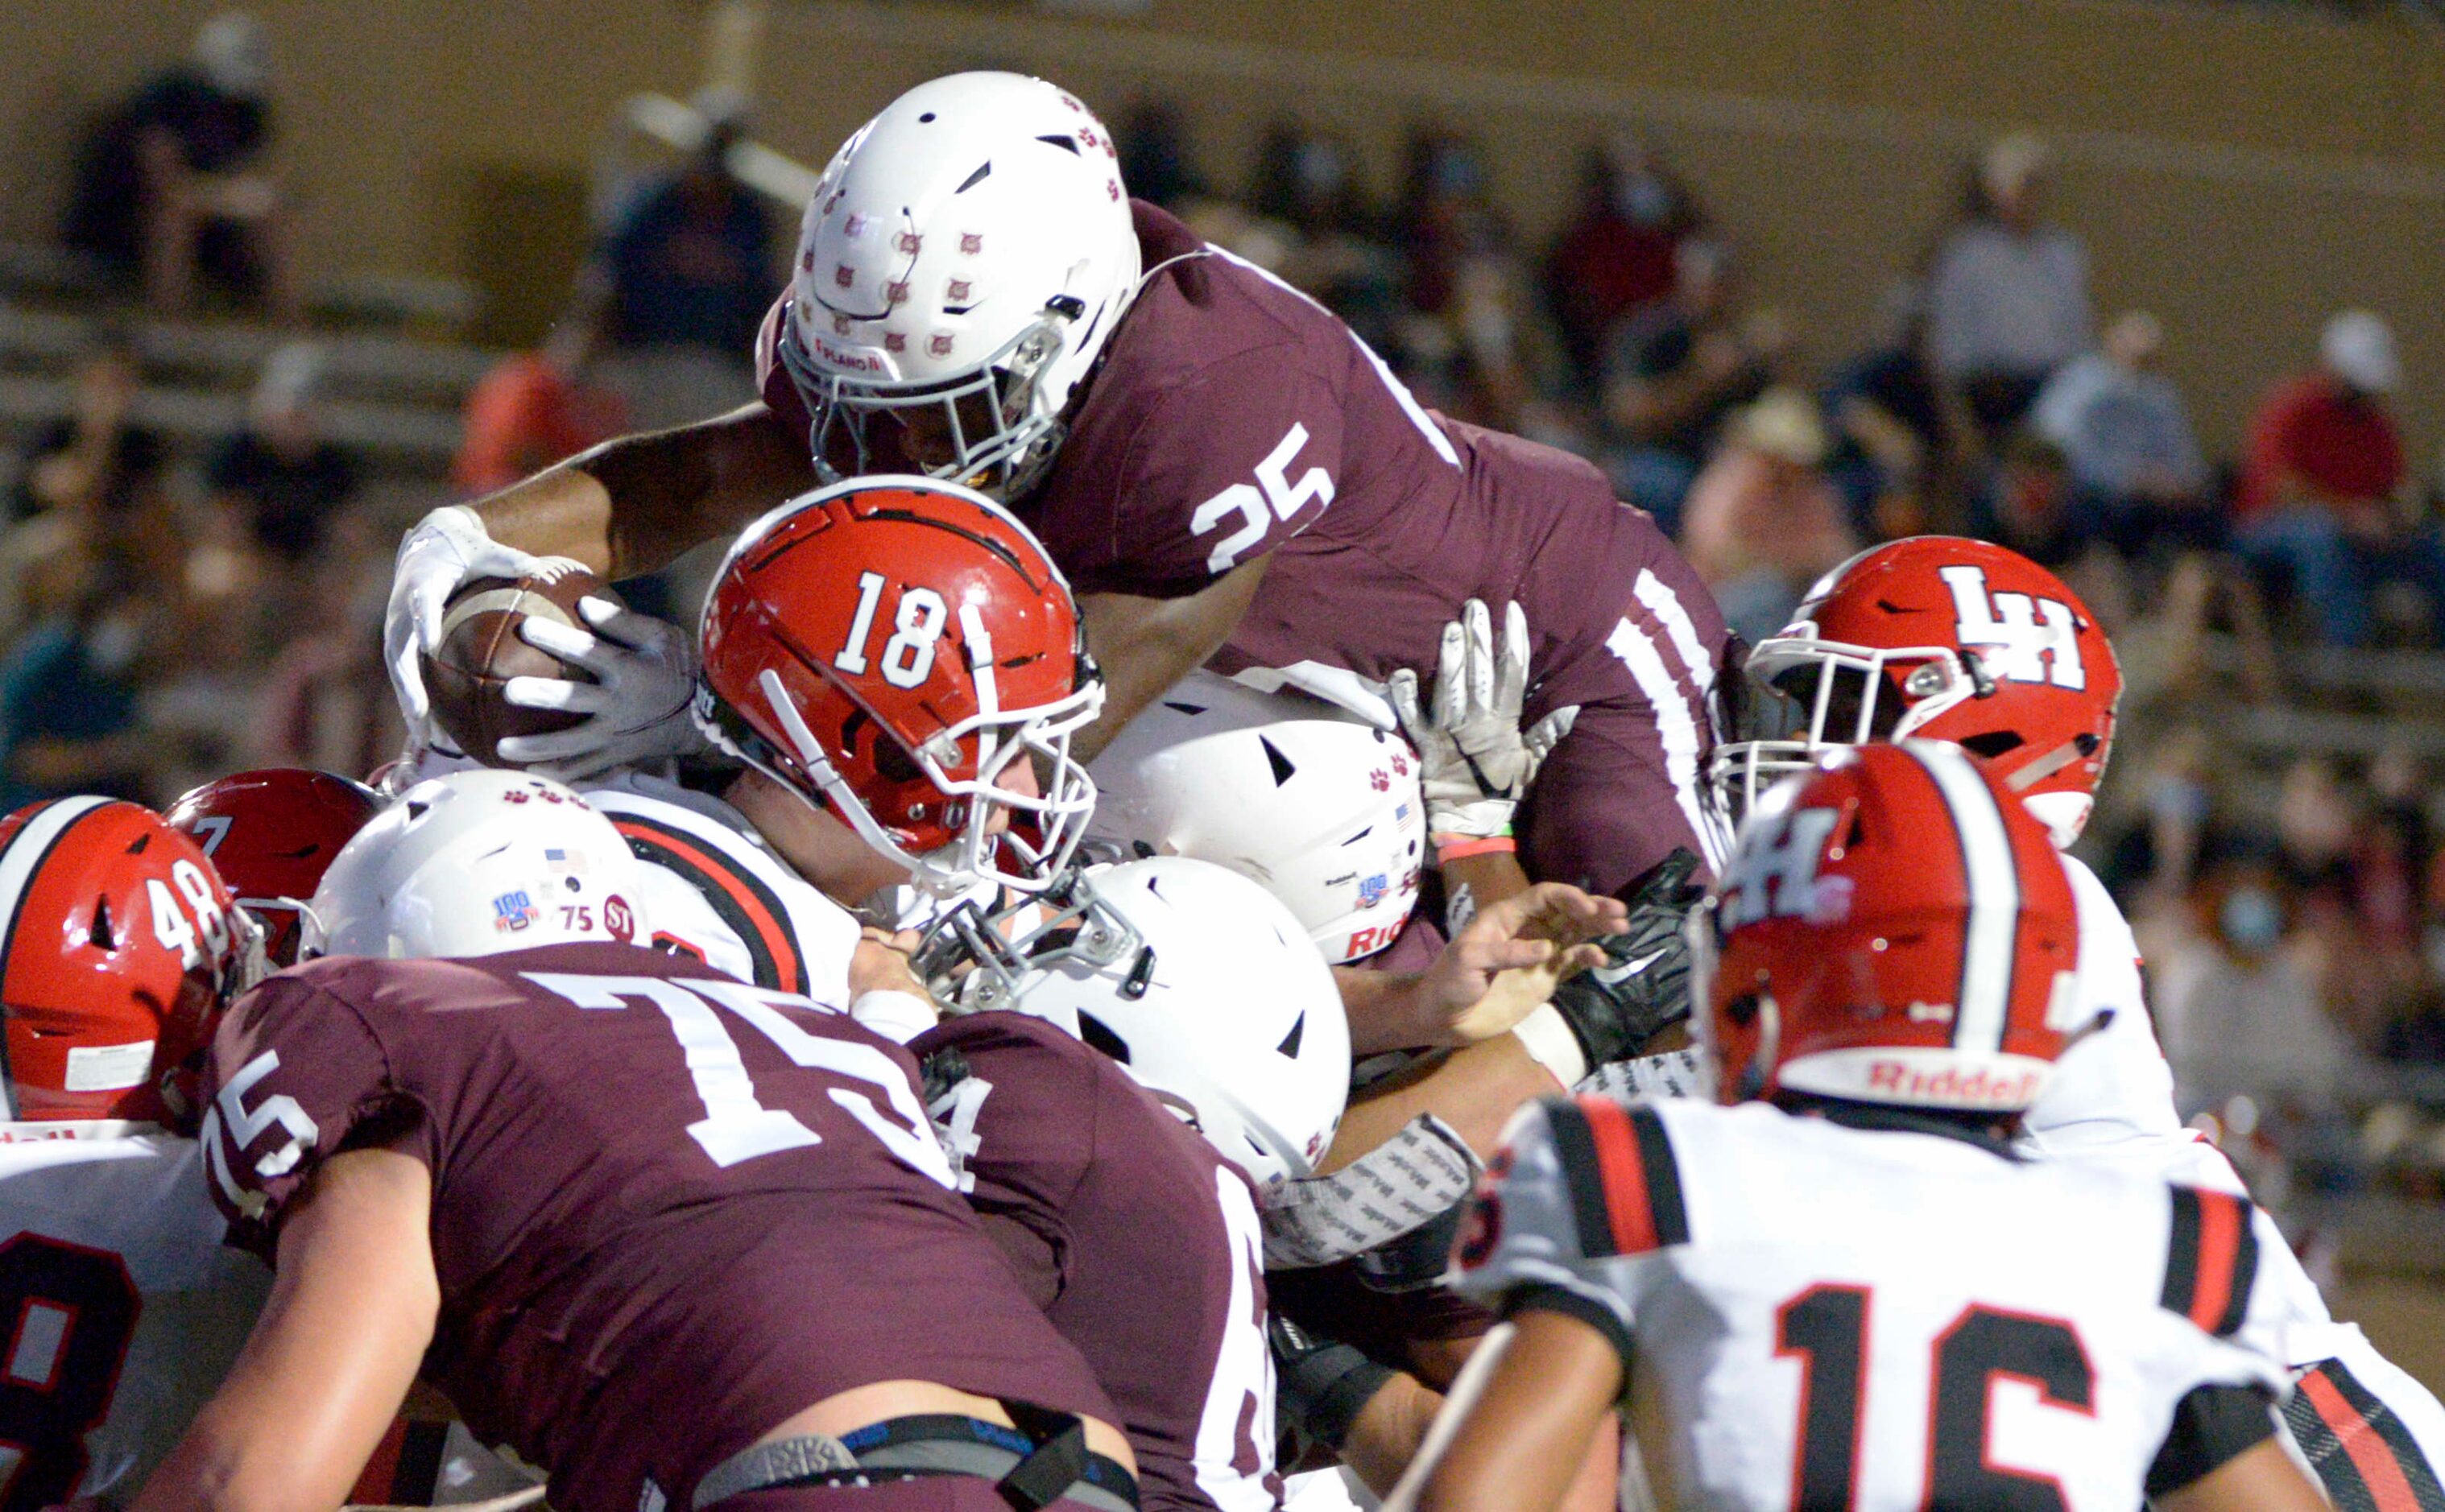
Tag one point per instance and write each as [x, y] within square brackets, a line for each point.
[1462, 846]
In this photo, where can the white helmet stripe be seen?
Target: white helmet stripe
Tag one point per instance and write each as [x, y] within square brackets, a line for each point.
[1981, 1015]
[26, 854]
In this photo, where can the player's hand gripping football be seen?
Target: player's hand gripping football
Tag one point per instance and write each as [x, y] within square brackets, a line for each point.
[1478, 761]
[446, 549]
[1511, 958]
[636, 708]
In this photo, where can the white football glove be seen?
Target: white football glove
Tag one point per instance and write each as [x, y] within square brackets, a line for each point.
[636, 708]
[444, 550]
[1478, 761]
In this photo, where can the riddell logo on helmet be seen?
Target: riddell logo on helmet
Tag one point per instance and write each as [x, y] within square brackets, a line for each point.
[1951, 1087]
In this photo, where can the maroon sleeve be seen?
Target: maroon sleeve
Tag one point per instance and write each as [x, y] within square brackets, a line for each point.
[1216, 470]
[773, 380]
[295, 1076]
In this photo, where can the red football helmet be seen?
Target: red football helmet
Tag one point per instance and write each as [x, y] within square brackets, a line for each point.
[121, 946]
[893, 648]
[1893, 929]
[271, 833]
[1949, 640]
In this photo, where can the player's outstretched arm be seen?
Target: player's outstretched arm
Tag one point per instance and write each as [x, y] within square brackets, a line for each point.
[323, 1374]
[1515, 1432]
[2259, 1479]
[632, 504]
[1144, 646]
[1492, 974]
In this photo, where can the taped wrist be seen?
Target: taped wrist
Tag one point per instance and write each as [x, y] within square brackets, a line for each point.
[1320, 1384]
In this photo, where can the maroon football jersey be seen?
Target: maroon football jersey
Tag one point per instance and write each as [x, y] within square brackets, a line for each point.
[1234, 417]
[1137, 1239]
[670, 1209]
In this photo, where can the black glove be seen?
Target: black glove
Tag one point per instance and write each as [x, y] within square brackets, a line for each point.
[1321, 1384]
[1643, 987]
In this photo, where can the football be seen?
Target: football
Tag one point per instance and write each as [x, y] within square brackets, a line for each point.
[480, 650]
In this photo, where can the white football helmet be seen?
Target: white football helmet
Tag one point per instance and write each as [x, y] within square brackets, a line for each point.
[1193, 977]
[474, 864]
[963, 260]
[1319, 806]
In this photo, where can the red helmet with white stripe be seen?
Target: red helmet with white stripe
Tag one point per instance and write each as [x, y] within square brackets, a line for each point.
[1893, 929]
[903, 652]
[1947, 639]
[121, 947]
[272, 835]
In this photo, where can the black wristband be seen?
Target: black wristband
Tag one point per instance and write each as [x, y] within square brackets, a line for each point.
[1321, 1386]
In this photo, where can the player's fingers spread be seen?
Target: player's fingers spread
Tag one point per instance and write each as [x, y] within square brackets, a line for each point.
[1582, 957]
[557, 694]
[1480, 655]
[1511, 672]
[1401, 689]
[1451, 677]
[570, 747]
[568, 645]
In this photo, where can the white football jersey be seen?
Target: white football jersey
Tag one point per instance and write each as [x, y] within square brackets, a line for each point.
[1827, 1316]
[2114, 1084]
[2355, 1415]
[2356, 1420]
[718, 893]
[120, 1308]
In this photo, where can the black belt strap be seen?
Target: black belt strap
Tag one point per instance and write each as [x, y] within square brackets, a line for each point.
[1054, 1465]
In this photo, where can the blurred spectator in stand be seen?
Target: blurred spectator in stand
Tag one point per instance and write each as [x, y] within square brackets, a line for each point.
[1156, 160]
[94, 459]
[279, 473]
[1616, 255]
[2127, 437]
[2237, 1011]
[2323, 499]
[2007, 295]
[2029, 505]
[1445, 219]
[1464, 343]
[67, 686]
[326, 701]
[536, 407]
[1762, 522]
[1306, 182]
[691, 263]
[172, 185]
[1674, 373]
[1896, 438]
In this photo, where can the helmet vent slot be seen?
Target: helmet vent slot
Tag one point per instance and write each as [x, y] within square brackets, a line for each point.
[1283, 769]
[1290, 1045]
[100, 935]
[1992, 743]
[1068, 144]
[1890, 606]
[142, 841]
[1101, 1038]
[978, 177]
